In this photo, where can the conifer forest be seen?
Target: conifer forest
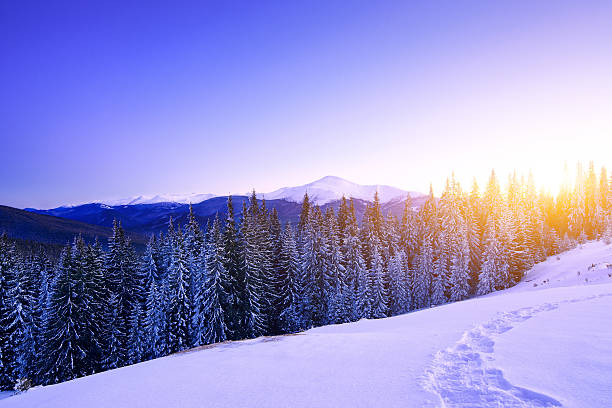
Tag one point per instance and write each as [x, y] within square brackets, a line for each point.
[100, 307]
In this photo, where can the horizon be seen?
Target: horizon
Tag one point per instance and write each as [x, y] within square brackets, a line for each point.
[502, 179]
[162, 100]
[421, 211]
[566, 178]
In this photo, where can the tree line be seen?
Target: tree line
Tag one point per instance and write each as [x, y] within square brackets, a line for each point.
[97, 309]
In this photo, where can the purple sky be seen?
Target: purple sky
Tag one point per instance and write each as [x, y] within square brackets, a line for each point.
[103, 100]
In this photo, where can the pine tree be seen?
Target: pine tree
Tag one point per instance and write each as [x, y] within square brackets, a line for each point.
[487, 278]
[153, 310]
[475, 227]
[423, 273]
[399, 285]
[254, 267]
[42, 269]
[334, 270]
[308, 271]
[409, 231]
[19, 321]
[439, 277]
[605, 195]
[459, 270]
[178, 309]
[377, 293]
[290, 294]
[607, 234]
[64, 353]
[194, 242]
[113, 335]
[123, 285]
[355, 283]
[90, 302]
[214, 317]
[136, 349]
[235, 301]
[278, 277]
[8, 263]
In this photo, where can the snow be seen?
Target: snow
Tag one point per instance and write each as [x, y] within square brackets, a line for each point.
[332, 188]
[321, 192]
[192, 198]
[528, 346]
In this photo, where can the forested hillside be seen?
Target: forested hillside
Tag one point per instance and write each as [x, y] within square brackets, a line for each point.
[99, 309]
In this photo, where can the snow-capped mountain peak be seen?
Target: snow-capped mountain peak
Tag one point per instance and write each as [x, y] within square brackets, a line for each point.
[322, 191]
[193, 198]
[331, 188]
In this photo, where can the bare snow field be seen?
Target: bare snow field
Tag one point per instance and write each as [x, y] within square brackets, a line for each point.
[543, 343]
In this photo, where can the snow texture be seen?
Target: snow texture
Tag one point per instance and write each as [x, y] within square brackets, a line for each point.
[321, 192]
[192, 198]
[332, 188]
[528, 346]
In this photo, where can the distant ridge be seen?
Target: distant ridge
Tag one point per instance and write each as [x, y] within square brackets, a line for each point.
[147, 218]
[323, 191]
[332, 188]
[48, 229]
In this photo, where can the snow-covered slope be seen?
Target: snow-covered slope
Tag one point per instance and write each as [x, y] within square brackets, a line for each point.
[545, 342]
[193, 198]
[321, 192]
[332, 188]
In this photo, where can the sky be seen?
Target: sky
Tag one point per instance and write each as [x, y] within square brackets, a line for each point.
[108, 99]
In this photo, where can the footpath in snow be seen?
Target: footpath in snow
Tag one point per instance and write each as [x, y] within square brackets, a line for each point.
[543, 343]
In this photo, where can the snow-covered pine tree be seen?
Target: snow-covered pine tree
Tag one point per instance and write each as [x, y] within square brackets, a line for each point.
[136, 339]
[591, 201]
[253, 269]
[213, 315]
[194, 242]
[41, 269]
[63, 350]
[269, 278]
[308, 269]
[113, 335]
[399, 295]
[577, 215]
[279, 283]
[555, 242]
[178, 310]
[334, 271]
[317, 259]
[355, 276]
[475, 227]
[8, 263]
[19, 320]
[422, 276]
[154, 318]
[607, 234]
[459, 279]
[504, 237]
[90, 261]
[235, 301]
[377, 294]
[439, 279]
[604, 192]
[122, 284]
[373, 254]
[487, 278]
[408, 232]
[290, 294]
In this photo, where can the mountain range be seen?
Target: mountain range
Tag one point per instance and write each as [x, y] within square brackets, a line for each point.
[322, 191]
[145, 215]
